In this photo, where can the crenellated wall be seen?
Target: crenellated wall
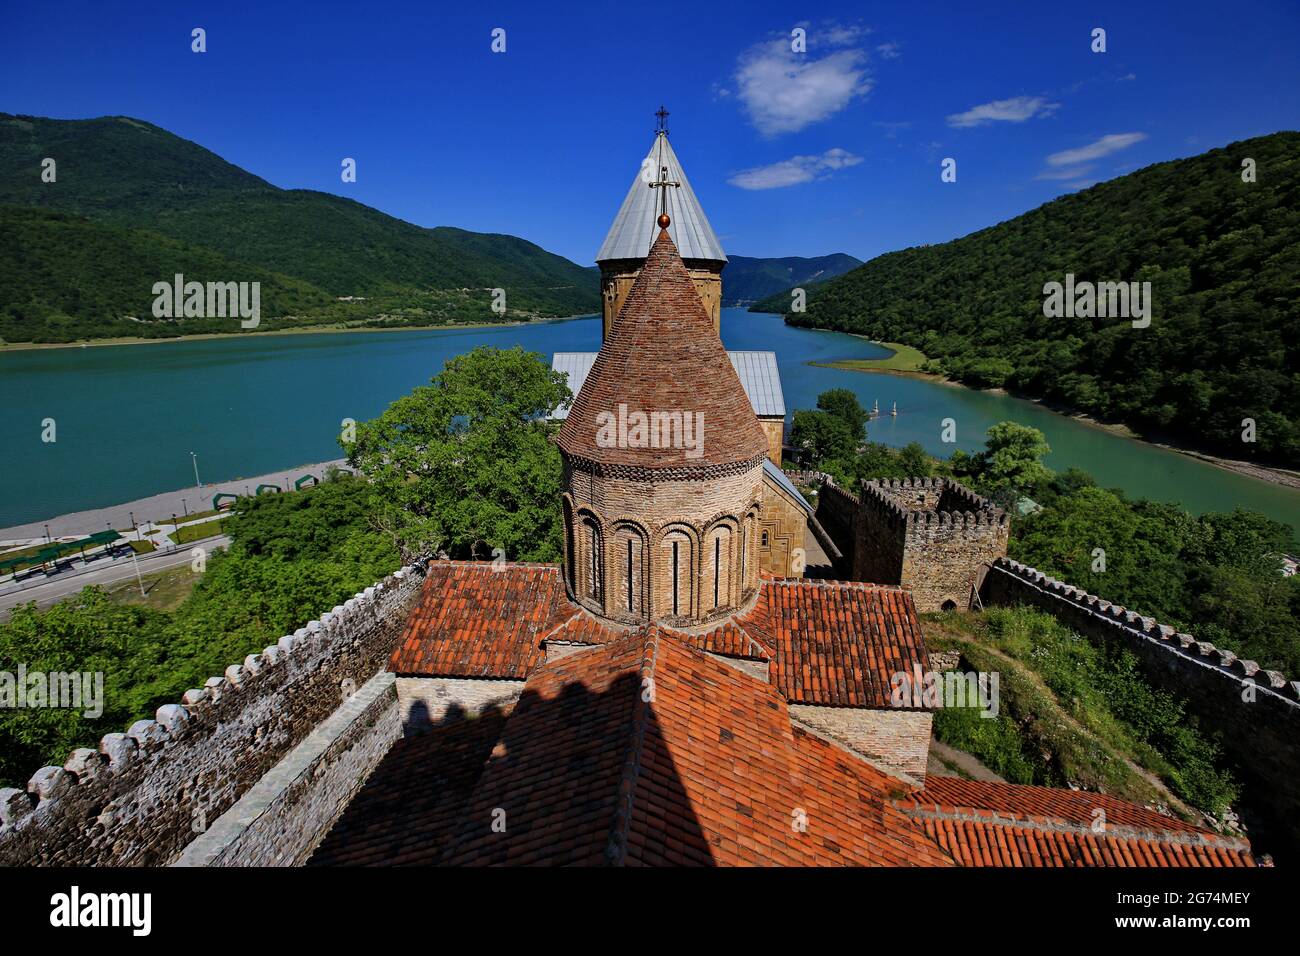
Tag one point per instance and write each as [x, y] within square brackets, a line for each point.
[840, 513]
[143, 795]
[1258, 711]
[931, 535]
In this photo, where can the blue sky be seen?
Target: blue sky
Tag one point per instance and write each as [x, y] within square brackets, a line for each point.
[836, 149]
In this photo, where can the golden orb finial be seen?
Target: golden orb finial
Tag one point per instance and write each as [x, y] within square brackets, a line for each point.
[664, 220]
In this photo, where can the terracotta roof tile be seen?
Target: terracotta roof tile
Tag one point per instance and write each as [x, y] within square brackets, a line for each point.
[707, 771]
[474, 619]
[662, 354]
[998, 824]
[411, 804]
[836, 643]
[1076, 806]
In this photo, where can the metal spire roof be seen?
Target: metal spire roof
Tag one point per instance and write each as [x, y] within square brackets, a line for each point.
[660, 180]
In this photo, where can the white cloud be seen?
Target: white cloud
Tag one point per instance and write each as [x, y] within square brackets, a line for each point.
[1015, 110]
[839, 34]
[1112, 143]
[797, 169]
[783, 91]
[890, 51]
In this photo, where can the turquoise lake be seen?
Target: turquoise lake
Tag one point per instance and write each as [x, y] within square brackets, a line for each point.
[128, 416]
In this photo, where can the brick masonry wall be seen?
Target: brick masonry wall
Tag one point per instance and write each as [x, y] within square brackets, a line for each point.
[284, 816]
[942, 559]
[1261, 736]
[142, 795]
[654, 507]
[930, 535]
[774, 429]
[425, 701]
[618, 275]
[786, 525]
[896, 739]
[839, 512]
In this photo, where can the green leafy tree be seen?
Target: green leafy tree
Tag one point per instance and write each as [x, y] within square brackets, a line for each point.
[465, 464]
[827, 439]
[1011, 463]
[843, 404]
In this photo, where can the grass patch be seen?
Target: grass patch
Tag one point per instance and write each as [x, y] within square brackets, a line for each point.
[194, 515]
[1083, 713]
[164, 590]
[904, 359]
[197, 532]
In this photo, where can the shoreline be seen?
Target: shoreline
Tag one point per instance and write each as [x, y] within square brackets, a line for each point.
[159, 505]
[297, 330]
[1270, 474]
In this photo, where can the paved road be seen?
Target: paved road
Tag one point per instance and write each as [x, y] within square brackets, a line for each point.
[157, 507]
[50, 590]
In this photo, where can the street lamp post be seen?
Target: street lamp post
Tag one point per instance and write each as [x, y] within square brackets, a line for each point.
[139, 580]
[48, 539]
[197, 484]
[134, 525]
[185, 507]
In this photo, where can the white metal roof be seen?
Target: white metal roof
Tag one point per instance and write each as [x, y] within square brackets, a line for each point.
[757, 370]
[635, 228]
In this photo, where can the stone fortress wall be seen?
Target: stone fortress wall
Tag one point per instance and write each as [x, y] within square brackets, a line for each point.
[1258, 711]
[932, 535]
[265, 756]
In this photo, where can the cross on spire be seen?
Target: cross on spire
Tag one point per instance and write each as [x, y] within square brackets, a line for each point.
[663, 118]
[662, 184]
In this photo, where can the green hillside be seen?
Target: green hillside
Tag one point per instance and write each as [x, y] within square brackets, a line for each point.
[1223, 258]
[64, 278]
[749, 279]
[131, 175]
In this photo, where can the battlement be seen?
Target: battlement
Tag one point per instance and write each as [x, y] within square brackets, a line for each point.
[918, 503]
[1097, 609]
[930, 534]
[143, 795]
[1256, 711]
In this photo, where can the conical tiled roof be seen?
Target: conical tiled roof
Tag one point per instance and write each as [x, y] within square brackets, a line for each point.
[634, 227]
[662, 355]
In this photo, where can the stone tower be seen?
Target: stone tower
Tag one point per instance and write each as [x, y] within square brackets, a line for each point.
[660, 188]
[932, 535]
[663, 462]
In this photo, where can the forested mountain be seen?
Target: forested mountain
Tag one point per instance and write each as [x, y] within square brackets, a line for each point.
[133, 177]
[748, 279]
[1223, 259]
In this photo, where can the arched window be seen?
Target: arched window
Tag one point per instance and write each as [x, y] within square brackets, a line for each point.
[675, 574]
[720, 564]
[592, 562]
[627, 573]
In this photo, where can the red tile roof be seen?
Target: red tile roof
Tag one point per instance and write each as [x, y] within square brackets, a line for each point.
[646, 752]
[975, 842]
[831, 643]
[643, 750]
[662, 354]
[1075, 806]
[477, 619]
[1000, 824]
[836, 643]
[411, 803]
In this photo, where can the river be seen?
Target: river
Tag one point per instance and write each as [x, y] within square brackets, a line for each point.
[126, 417]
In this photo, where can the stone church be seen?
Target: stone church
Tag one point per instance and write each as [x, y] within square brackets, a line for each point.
[787, 530]
[666, 696]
